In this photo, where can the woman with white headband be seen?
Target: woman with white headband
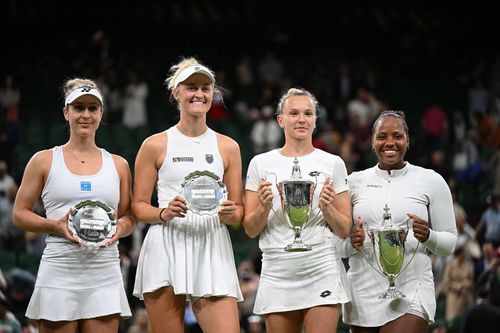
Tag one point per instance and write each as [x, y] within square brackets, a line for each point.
[187, 255]
[78, 288]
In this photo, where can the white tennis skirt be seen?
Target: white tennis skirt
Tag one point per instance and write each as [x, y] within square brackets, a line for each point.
[74, 283]
[299, 280]
[193, 255]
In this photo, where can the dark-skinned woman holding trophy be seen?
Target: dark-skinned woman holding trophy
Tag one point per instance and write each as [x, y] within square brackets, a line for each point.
[79, 286]
[402, 214]
[296, 200]
[187, 253]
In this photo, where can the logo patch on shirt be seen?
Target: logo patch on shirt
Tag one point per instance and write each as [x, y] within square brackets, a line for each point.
[85, 186]
[182, 159]
[374, 185]
[325, 293]
[209, 158]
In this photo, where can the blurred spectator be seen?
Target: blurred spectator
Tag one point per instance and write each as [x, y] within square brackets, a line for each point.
[359, 109]
[8, 322]
[134, 105]
[467, 165]
[435, 126]
[458, 279]
[255, 324]
[439, 163]
[249, 281]
[484, 317]
[490, 224]
[8, 190]
[478, 98]
[266, 133]
[343, 84]
[10, 96]
[140, 322]
[270, 69]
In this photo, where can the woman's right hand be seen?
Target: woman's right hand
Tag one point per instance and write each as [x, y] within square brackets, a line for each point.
[63, 229]
[177, 207]
[265, 194]
[357, 235]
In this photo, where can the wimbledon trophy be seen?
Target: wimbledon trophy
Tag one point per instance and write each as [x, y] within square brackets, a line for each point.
[92, 223]
[204, 192]
[388, 242]
[296, 196]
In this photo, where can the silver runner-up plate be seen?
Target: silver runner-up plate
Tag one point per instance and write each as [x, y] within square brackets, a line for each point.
[92, 222]
[204, 192]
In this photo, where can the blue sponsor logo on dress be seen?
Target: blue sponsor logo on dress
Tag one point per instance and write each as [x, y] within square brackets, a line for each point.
[85, 186]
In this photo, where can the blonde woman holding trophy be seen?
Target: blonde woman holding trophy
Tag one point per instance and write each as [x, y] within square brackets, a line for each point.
[187, 253]
[403, 214]
[296, 200]
[79, 286]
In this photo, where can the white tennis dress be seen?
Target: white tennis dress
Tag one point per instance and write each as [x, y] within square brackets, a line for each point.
[73, 282]
[193, 254]
[411, 189]
[298, 280]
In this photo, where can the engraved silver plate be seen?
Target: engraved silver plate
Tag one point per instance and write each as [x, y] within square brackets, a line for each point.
[92, 222]
[204, 192]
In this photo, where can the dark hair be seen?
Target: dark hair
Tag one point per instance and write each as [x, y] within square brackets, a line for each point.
[391, 113]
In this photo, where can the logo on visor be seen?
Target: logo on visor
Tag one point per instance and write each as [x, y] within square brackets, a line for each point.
[86, 89]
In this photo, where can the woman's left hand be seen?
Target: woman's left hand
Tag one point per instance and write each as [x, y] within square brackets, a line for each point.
[421, 229]
[227, 210]
[327, 194]
[119, 231]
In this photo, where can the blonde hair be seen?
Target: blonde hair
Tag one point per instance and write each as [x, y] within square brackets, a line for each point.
[296, 92]
[184, 63]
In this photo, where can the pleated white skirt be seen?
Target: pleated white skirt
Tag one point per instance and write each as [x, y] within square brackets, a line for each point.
[193, 255]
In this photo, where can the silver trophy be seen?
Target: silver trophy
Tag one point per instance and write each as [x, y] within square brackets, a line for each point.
[92, 223]
[296, 196]
[204, 192]
[388, 243]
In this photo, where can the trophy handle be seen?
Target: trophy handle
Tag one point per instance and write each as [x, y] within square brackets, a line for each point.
[371, 236]
[278, 188]
[408, 227]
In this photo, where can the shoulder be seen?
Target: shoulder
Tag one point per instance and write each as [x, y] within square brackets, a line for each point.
[155, 142]
[42, 158]
[428, 176]
[357, 175]
[227, 144]
[120, 162]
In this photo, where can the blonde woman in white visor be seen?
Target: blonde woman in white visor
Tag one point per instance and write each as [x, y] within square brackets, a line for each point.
[187, 256]
[78, 289]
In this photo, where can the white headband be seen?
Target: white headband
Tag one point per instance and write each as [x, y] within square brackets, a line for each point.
[188, 71]
[84, 90]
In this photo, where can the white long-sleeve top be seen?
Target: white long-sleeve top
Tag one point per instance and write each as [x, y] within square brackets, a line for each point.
[411, 189]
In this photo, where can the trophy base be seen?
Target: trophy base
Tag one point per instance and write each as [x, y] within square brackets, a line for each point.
[298, 247]
[392, 293]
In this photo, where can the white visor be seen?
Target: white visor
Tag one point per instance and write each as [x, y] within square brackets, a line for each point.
[84, 90]
[188, 71]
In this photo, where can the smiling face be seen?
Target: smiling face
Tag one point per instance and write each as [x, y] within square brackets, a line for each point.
[390, 142]
[84, 115]
[195, 94]
[298, 118]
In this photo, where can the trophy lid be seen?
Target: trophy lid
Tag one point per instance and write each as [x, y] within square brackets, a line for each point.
[296, 176]
[387, 217]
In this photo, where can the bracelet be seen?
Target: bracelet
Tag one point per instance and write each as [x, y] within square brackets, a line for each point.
[161, 211]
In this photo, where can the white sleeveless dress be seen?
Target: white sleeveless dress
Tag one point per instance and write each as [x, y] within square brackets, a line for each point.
[194, 254]
[292, 281]
[72, 282]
